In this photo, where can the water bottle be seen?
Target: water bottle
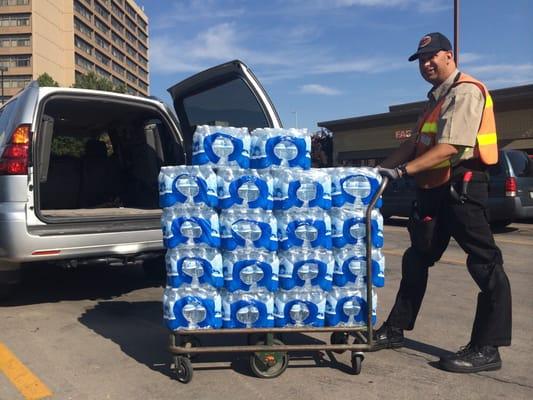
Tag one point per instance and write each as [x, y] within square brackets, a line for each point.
[300, 307]
[355, 186]
[350, 266]
[186, 184]
[248, 309]
[306, 267]
[249, 269]
[247, 188]
[348, 226]
[377, 228]
[194, 266]
[221, 146]
[275, 147]
[301, 188]
[252, 228]
[304, 228]
[190, 226]
[192, 308]
[346, 306]
[378, 268]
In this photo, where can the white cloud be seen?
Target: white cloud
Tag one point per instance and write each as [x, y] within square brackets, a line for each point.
[502, 75]
[466, 58]
[313, 88]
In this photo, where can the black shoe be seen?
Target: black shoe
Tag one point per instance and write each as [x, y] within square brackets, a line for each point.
[387, 337]
[472, 358]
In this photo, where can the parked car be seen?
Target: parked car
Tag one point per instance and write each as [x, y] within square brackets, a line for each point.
[510, 190]
[79, 168]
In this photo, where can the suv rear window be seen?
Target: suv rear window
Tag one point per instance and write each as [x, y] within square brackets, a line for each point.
[521, 163]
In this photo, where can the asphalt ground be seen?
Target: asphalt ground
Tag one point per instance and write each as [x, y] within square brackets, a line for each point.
[97, 333]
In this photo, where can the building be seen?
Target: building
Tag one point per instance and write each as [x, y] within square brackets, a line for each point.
[68, 37]
[367, 140]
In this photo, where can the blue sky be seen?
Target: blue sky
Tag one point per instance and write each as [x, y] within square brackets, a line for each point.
[330, 59]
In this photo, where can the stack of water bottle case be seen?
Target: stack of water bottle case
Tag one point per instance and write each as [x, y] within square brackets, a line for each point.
[257, 239]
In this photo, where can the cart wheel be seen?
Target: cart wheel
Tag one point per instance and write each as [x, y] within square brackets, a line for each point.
[183, 369]
[269, 364]
[357, 361]
[188, 342]
[339, 338]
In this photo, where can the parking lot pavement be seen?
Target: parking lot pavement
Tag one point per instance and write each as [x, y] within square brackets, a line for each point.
[96, 333]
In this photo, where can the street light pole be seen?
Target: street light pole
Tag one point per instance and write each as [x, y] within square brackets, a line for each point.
[2, 70]
[295, 118]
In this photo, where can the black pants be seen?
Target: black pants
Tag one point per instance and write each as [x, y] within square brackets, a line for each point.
[467, 224]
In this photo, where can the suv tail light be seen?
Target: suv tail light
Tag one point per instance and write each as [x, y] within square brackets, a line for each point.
[14, 159]
[510, 186]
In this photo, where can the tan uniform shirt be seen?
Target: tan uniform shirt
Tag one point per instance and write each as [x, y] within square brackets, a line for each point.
[460, 115]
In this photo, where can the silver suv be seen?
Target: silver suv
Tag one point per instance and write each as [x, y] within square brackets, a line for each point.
[79, 168]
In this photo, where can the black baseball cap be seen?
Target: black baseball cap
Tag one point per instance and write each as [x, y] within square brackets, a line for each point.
[431, 43]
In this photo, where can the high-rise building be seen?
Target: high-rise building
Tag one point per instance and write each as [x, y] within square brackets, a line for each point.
[65, 38]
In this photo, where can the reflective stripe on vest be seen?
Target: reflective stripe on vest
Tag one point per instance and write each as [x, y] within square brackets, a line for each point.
[486, 147]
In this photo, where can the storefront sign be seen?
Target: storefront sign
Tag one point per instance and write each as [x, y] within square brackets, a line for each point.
[402, 134]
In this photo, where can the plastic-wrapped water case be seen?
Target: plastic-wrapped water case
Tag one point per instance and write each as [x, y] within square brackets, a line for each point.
[350, 266]
[250, 269]
[221, 146]
[194, 266]
[354, 185]
[248, 188]
[301, 188]
[248, 309]
[192, 308]
[347, 306]
[187, 184]
[300, 307]
[190, 226]
[254, 228]
[306, 267]
[276, 147]
[348, 227]
[304, 228]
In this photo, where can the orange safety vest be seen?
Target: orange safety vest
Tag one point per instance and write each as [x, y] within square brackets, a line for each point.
[486, 147]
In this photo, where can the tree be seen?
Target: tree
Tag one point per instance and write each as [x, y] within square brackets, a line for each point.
[46, 80]
[93, 81]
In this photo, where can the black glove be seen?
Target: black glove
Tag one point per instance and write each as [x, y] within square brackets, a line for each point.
[391, 173]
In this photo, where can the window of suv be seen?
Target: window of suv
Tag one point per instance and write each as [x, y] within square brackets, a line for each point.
[5, 114]
[522, 165]
[229, 104]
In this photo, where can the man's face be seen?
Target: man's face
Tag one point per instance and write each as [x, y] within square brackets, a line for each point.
[436, 67]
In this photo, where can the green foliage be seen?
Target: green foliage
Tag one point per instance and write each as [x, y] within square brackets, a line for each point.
[46, 80]
[68, 146]
[96, 82]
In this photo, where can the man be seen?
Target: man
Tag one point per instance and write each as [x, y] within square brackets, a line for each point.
[456, 139]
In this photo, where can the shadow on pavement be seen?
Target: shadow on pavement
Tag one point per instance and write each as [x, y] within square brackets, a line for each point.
[48, 283]
[137, 327]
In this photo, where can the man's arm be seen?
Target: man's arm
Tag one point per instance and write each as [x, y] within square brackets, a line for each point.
[437, 154]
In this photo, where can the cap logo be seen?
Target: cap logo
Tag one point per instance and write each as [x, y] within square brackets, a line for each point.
[424, 41]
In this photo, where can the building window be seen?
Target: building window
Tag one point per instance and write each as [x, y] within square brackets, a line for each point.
[118, 68]
[131, 64]
[130, 10]
[82, 10]
[131, 51]
[81, 27]
[131, 37]
[101, 41]
[143, 74]
[16, 82]
[130, 24]
[142, 36]
[117, 11]
[143, 86]
[117, 25]
[6, 3]
[102, 57]
[117, 82]
[142, 60]
[15, 41]
[101, 10]
[14, 20]
[142, 24]
[142, 48]
[15, 61]
[101, 26]
[117, 39]
[83, 45]
[117, 54]
[132, 78]
[84, 63]
[102, 72]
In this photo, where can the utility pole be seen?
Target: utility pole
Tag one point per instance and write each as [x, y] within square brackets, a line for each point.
[2, 70]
